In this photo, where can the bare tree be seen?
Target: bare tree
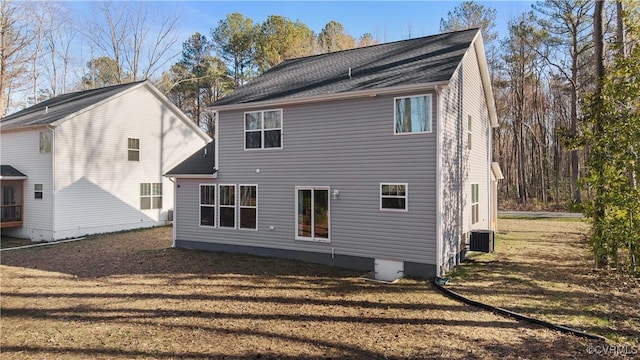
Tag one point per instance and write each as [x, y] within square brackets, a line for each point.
[15, 37]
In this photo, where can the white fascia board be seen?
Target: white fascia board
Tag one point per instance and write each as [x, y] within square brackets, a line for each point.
[329, 97]
[497, 172]
[486, 79]
[13, 177]
[439, 139]
[24, 128]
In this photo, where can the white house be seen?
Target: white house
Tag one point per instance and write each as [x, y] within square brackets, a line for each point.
[376, 158]
[92, 162]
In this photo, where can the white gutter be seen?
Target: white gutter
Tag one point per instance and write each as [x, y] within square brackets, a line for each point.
[53, 179]
[192, 176]
[175, 213]
[329, 97]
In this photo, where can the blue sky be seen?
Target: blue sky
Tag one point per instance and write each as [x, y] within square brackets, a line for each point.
[386, 20]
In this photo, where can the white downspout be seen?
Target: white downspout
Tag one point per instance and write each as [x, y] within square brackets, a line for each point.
[53, 181]
[175, 212]
[440, 125]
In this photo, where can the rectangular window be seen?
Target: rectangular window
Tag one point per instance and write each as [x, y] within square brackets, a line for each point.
[45, 142]
[207, 205]
[475, 204]
[263, 129]
[313, 214]
[133, 149]
[249, 207]
[150, 196]
[469, 133]
[393, 197]
[413, 114]
[227, 200]
[38, 191]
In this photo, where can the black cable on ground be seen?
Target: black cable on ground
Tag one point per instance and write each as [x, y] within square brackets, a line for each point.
[518, 316]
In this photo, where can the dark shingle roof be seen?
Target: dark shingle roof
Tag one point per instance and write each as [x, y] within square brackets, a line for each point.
[60, 106]
[409, 62]
[202, 162]
[10, 171]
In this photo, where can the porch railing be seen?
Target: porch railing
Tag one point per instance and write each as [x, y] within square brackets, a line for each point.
[9, 213]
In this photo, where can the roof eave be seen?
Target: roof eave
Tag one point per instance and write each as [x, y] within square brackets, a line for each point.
[13, 177]
[486, 79]
[6, 129]
[193, 176]
[333, 96]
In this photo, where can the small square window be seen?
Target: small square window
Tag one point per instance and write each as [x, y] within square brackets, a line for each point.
[38, 191]
[133, 149]
[150, 196]
[263, 129]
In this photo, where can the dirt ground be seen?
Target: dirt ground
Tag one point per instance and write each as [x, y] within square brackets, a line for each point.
[542, 268]
[130, 295]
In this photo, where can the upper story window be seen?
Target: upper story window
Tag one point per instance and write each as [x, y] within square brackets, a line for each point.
[133, 149]
[413, 114]
[263, 129]
[45, 142]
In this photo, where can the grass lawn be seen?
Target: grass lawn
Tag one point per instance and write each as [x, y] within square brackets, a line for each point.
[542, 268]
[129, 295]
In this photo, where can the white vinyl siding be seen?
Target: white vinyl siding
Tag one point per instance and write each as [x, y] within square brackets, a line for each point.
[394, 197]
[412, 114]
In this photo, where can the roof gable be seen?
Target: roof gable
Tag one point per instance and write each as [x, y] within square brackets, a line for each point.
[409, 62]
[61, 106]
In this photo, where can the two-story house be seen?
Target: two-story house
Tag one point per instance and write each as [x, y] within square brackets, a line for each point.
[92, 162]
[375, 158]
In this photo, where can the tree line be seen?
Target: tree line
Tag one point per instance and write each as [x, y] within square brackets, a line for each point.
[565, 79]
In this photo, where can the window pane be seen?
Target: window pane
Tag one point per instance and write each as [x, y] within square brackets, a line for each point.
[386, 189]
[145, 203]
[207, 215]
[248, 218]
[133, 143]
[38, 187]
[401, 190]
[207, 195]
[227, 195]
[157, 202]
[134, 155]
[394, 203]
[38, 195]
[272, 120]
[413, 114]
[272, 139]
[157, 189]
[145, 189]
[248, 196]
[304, 213]
[252, 121]
[321, 213]
[45, 142]
[227, 217]
[253, 140]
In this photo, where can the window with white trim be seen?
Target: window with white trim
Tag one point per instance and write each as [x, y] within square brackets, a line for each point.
[150, 196]
[133, 149]
[208, 205]
[469, 133]
[45, 142]
[38, 191]
[263, 129]
[313, 214]
[393, 197]
[227, 206]
[248, 207]
[412, 114]
[475, 204]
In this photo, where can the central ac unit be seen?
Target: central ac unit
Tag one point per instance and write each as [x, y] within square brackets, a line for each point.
[481, 240]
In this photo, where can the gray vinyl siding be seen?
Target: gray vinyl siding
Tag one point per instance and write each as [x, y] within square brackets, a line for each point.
[348, 145]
